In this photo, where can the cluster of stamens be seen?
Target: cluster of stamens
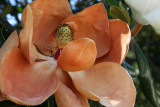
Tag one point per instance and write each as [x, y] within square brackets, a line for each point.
[62, 36]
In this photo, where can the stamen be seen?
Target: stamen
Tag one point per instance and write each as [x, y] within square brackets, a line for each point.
[63, 35]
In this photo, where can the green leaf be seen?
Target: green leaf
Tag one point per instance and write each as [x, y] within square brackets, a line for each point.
[120, 13]
[128, 66]
[112, 2]
[130, 69]
[146, 81]
[20, 9]
[117, 13]
[7, 10]
[125, 12]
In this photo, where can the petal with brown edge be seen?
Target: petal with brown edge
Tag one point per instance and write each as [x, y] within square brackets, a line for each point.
[78, 55]
[25, 83]
[120, 38]
[106, 82]
[26, 44]
[92, 22]
[54, 11]
[66, 94]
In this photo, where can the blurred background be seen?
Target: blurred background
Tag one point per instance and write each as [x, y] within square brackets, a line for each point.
[147, 39]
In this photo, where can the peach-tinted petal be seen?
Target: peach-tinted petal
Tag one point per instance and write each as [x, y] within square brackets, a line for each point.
[92, 22]
[37, 15]
[10, 43]
[25, 83]
[54, 11]
[120, 38]
[78, 55]
[106, 82]
[26, 44]
[26, 34]
[66, 94]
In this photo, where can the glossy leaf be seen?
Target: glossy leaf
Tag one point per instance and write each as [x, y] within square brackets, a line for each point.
[112, 2]
[128, 66]
[125, 12]
[130, 69]
[146, 80]
[118, 13]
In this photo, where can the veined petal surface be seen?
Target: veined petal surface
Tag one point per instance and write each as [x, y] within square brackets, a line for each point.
[106, 82]
[92, 23]
[66, 94]
[120, 38]
[11, 43]
[54, 12]
[78, 55]
[25, 83]
[26, 35]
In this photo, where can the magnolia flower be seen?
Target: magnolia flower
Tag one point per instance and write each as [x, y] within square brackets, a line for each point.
[88, 66]
[146, 12]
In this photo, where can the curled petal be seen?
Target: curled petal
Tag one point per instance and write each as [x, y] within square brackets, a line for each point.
[106, 82]
[78, 55]
[66, 94]
[120, 38]
[37, 15]
[25, 83]
[10, 43]
[52, 16]
[92, 22]
[26, 35]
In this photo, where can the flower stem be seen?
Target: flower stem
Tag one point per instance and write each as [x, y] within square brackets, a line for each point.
[137, 27]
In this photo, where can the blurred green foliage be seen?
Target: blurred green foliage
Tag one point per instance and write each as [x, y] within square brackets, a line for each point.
[147, 39]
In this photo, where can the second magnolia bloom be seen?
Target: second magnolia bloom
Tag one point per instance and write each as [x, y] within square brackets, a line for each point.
[146, 12]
